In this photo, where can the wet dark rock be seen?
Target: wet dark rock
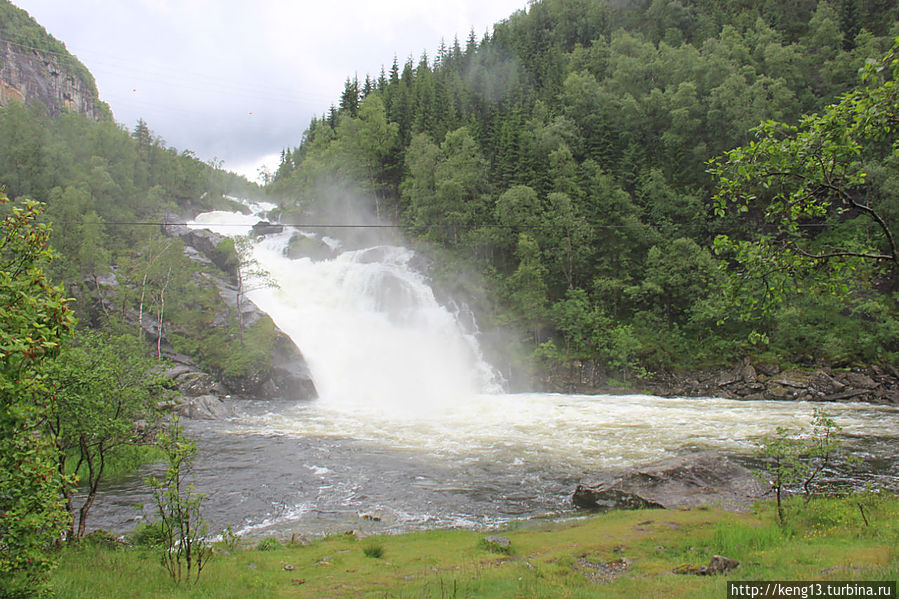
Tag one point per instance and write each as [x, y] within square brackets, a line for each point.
[604, 495]
[702, 479]
[303, 246]
[266, 228]
[288, 377]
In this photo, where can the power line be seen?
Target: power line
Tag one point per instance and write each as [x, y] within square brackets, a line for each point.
[196, 225]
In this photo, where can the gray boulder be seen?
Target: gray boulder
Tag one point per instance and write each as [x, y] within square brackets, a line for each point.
[303, 246]
[702, 479]
[205, 407]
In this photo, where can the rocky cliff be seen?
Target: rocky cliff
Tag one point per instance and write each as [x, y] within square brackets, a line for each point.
[28, 75]
[35, 67]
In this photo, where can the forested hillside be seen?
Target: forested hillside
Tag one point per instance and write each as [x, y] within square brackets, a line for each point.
[105, 191]
[565, 155]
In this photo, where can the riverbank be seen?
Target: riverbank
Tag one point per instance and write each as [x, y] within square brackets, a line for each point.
[617, 554]
[744, 381]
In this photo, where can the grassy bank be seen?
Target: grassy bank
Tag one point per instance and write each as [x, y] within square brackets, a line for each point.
[619, 554]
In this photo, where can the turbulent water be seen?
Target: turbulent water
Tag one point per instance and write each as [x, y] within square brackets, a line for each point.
[412, 428]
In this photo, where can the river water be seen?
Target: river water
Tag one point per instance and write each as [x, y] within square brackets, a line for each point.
[412, 428]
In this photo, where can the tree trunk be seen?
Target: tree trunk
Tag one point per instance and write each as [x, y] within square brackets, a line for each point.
[165, 284]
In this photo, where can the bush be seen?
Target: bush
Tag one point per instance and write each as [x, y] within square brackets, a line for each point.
[150, 534]
[375, 550]
[269, 544]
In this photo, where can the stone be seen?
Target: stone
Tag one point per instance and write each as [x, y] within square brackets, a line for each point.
[860, 380]
[691, 481]
[717, 565]
[747, 372]
[305, 246]
[778, 392]
[794, 380]
[195, 384]
[603, 572]
[205, 407]
[826, 384]
[497, 544]
[266, 228]
[605, 496]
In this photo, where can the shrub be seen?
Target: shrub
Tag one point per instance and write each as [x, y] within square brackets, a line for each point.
[150, 534]
[375, 550]
[269, 544]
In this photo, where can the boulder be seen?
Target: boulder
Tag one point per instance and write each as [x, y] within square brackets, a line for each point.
[717, 565]
[197, 383]
[205, 407]
[306, 246]
[860, 380]
[699, 479]
[287, 378]
[824, 384]
[264, 227]
[497, 544]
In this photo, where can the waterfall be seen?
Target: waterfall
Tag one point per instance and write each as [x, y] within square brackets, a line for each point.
[368, 324]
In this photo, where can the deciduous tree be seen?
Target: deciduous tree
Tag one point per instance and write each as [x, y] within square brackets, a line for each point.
[34, 320]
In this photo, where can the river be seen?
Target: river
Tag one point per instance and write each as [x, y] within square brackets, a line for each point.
[412, 428]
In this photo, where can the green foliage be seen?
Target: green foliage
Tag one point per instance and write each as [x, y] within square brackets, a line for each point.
[269, 544]
[586, 126]
[185, 550]
[34, 320]
[230, 538]
[151, 534]
[796, 458]
[373, 549]
[799, 183]
[124, 462]
[102, 386]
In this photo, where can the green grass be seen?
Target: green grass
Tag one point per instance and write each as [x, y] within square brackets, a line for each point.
[584, 557]
[125, 461]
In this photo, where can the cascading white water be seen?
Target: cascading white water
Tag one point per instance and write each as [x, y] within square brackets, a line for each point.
[370, 327]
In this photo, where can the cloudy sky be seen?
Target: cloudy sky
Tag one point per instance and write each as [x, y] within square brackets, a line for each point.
[239, 80]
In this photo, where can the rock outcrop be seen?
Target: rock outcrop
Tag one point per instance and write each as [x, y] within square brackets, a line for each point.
[288, 375]
[303, 245]
[208, 394]
[747, 381]
[264, 227]
[702, 479]
[205, 243]
[29, 75]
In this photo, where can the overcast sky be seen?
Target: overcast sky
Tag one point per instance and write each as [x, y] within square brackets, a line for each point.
[239, 80]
